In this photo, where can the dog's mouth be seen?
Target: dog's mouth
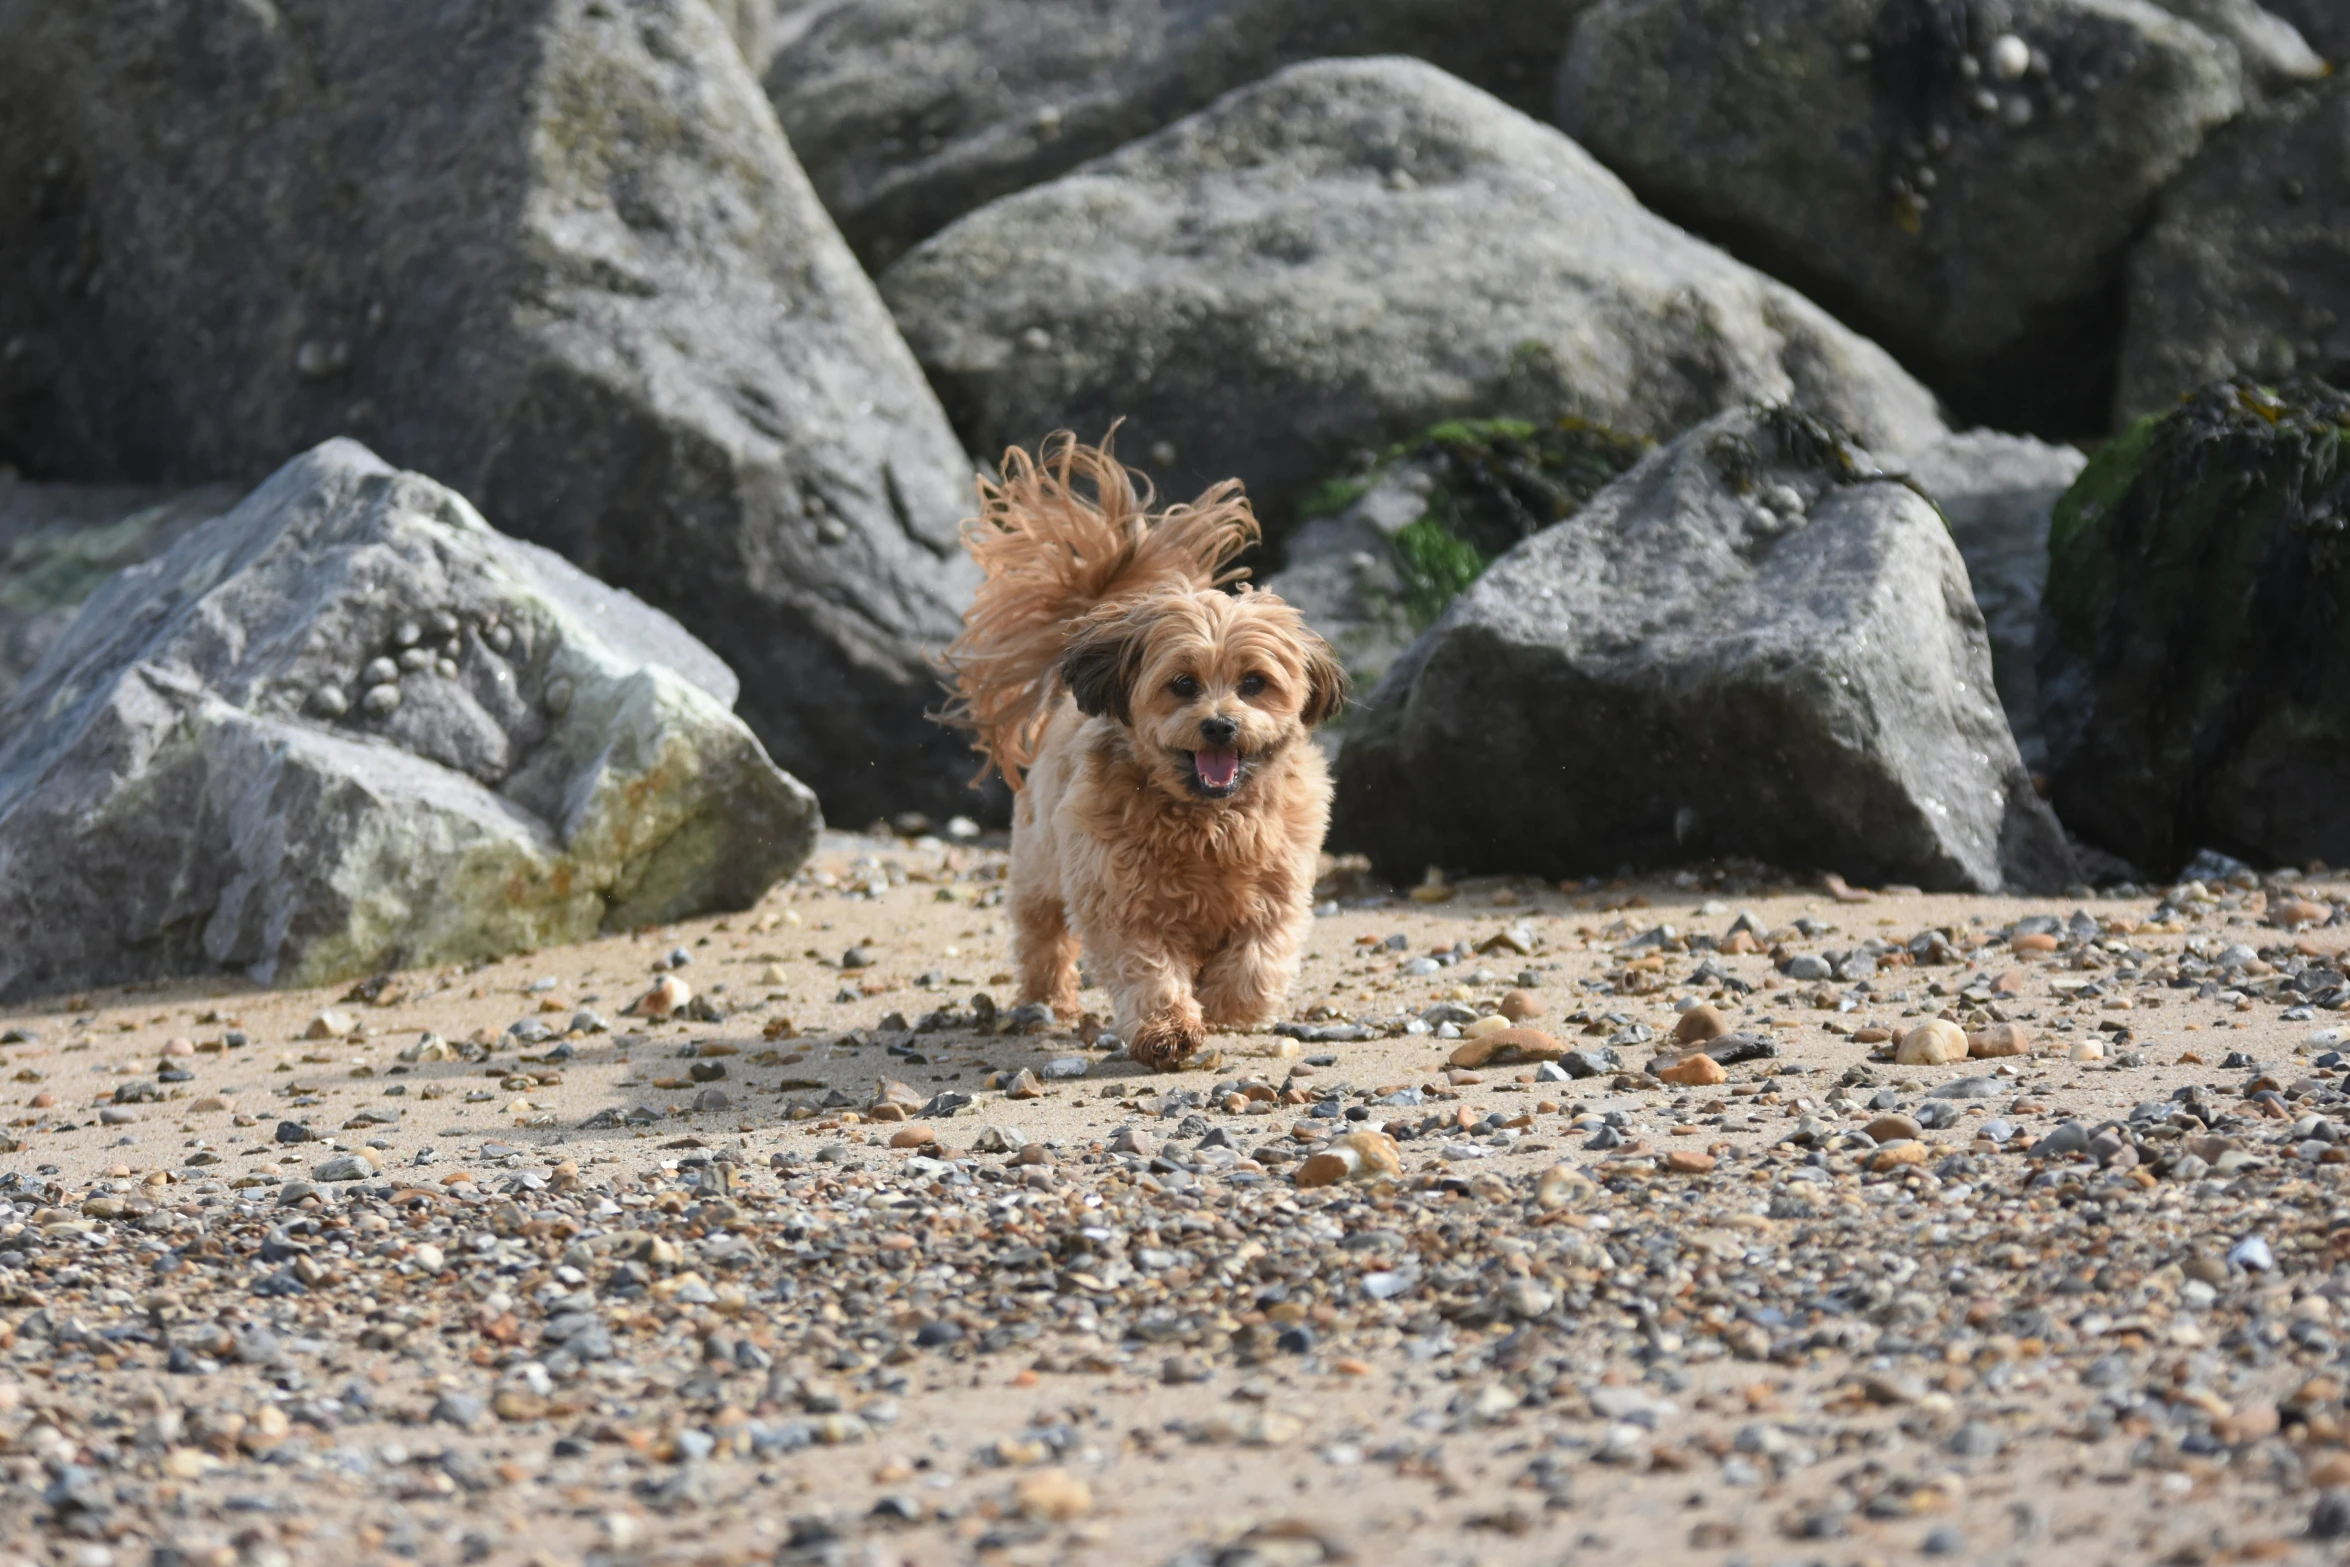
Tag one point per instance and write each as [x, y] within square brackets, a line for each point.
[1215, 773]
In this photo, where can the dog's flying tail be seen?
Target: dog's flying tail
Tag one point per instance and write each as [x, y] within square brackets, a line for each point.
[1051, 552]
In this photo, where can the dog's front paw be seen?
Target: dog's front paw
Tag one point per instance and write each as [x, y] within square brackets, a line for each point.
[1165, 1043]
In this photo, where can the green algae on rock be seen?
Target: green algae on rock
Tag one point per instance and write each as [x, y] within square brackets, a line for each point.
[1489, 485]
[1385, 550]
[2195, 663]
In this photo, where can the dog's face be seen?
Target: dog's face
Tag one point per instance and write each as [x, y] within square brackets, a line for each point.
[1212, 685]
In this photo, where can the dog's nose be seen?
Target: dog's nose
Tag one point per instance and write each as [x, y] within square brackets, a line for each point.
[1218, 731]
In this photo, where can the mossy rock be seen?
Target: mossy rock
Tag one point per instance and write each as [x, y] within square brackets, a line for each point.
[1487, 485]
[2195, 664]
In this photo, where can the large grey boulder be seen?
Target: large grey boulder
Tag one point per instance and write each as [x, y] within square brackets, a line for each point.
[58, 542]
[348, 726]
[557, 254]
[1752, 644]
[1958, 180]
[2247, 270]
[909, 113]
[1337, 257]
[1997, 492]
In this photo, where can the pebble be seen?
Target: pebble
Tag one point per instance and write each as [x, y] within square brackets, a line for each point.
[1697, 1070]
[1936, 1042]
[1701, 1024]
[1506, 1044]
[329, 1024]
[1999, 1039]
[1685, 1161]
[1358, 1156]
[1893, 1128]
[667, 994]
[1519, 1005]
[1561, 1186]
[2293, 913]
[914, 1134]
[1051, 1496]
[2090, 1049]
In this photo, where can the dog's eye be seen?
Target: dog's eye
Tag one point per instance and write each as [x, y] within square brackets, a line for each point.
[1184, 686]
[1250, 685]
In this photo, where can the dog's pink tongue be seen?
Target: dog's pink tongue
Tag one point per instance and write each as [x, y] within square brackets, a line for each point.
[1217, 769]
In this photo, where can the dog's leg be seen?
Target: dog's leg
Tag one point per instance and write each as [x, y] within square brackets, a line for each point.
[1046, 954]
[1157, 1016]
[1243, 982]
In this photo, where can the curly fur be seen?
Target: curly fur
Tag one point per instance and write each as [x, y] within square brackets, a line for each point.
[1171, 803]
[1050, 552]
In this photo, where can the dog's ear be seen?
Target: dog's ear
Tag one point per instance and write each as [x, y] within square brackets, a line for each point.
[1326, 685]
[1099, 665]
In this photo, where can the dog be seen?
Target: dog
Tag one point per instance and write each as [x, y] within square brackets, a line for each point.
[1153, 716]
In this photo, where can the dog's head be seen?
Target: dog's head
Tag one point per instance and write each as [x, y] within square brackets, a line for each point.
[1212, 685]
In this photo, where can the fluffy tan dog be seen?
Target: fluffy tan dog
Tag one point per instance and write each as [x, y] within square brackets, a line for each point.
[1170, 802]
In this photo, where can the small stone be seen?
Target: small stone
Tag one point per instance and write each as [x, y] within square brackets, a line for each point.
[1893, 1129]
[1562, 1185]
[1480, 1027]
[329, 702]
[1700, 1025]
[712, 1099]
[667, 995]
[1358, 1156]
[2066, 1140]
[914, 1134]
[380, 701]
[1506, 1044]
[1024, 1085]
[1936, 1042]
[2010, 58]
[1894, 1155]
[295, 1132]
[2293, 913]
[1688, 1161]
[2330, 1518]
[460, 1409]
[2091, 1049]
[342, 1167]
[1519, 1005]
[1697, 1070]
[329, 1024]
[2000, 1039]
[1051, 1496]
[379, 672]
[177, 1046]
